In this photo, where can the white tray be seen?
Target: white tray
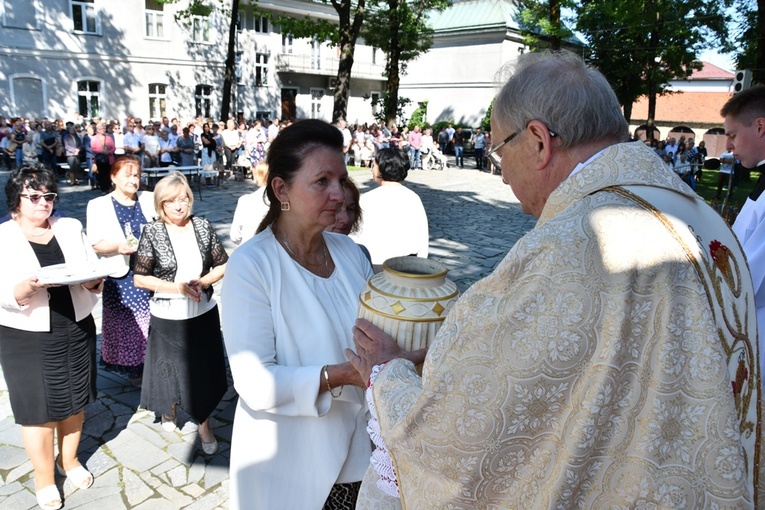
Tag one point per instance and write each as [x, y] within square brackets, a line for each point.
[61, 274]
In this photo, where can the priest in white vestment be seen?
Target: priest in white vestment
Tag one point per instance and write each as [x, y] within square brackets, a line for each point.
[609, 361]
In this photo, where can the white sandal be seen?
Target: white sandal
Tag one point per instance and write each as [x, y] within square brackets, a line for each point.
[49, 498]
[79, 476]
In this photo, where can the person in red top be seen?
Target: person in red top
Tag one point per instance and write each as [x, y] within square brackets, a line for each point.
[103, 149]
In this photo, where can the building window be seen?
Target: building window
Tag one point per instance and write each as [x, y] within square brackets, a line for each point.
[287, 43]
[316, 97]
[203, 100]
[84, 16]
[155, 19]
[261, 24]
[374, 55]
[88, 98]
[375, 97]
[261, 69]
[200, 29]
[157, 100]
[315, 54]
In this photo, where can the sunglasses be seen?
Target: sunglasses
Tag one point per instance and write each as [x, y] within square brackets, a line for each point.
[49, 197]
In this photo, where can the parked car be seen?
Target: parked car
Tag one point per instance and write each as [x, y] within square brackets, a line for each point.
[468, 145]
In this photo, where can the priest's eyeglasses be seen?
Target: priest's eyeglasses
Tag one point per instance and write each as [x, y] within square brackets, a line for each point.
[496, 160]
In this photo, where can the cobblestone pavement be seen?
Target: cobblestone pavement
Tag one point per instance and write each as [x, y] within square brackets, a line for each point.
[474, 220]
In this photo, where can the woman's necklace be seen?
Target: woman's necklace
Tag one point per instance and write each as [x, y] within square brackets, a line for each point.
[286, 245]
[40, 234]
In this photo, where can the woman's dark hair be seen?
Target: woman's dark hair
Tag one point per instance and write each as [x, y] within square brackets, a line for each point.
[123, 161]
[393, 164]
[288, 152]
[31, 175]
[351, 187]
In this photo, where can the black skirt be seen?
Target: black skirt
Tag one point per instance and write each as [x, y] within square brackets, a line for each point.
[184, 366]
[50, 375]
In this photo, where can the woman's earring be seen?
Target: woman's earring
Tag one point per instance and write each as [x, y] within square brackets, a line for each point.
[285, 206]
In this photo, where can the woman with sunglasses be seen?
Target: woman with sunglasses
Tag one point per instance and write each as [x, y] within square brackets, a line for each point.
[47, 335]
[179, 258]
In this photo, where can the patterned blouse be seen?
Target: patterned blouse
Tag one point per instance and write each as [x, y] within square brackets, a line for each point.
[155, 256]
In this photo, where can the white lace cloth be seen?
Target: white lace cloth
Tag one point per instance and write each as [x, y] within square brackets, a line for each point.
[381, 459]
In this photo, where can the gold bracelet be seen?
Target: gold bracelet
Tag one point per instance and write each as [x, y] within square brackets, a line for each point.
[329, 387]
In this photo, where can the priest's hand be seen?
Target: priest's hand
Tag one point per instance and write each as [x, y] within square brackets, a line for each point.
[375, 347]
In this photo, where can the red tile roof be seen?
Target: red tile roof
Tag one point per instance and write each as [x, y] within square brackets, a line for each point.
[683, 108]
[711, 72]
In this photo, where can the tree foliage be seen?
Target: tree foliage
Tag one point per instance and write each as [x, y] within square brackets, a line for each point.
[639, 45]
[748, 37]
[400, 29]
[541, 24]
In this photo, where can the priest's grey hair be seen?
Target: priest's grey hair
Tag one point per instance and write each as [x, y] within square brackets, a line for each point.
[560, 90]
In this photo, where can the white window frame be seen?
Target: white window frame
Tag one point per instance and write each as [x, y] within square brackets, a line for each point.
[315, 53]
[261, 64]
[198, 98]
[154, 15]
[100, 95]
[157, 97]
[198, 20]
[12, 91]
[38, 16]
[317, 102]
[374, 55]
[83, 4]
[287, 40]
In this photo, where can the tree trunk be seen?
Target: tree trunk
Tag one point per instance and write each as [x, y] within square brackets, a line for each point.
[228, 80]
[628, 111]
[392, 66]
[349, 32]
[652, 86]
[555, 41]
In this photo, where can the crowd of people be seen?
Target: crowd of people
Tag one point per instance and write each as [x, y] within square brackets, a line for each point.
[610, 360]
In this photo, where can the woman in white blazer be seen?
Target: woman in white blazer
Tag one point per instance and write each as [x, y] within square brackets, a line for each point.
[115, 222]
[47, 335]
[289, 299]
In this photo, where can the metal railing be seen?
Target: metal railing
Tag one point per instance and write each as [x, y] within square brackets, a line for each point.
[325, 66]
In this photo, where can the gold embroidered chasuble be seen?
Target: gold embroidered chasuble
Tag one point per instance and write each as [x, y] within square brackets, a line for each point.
[609, 361]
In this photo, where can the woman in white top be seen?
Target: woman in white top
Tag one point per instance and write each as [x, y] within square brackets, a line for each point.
[115, 222]
[232, 140]
[289, 303]
[150, 147]
[47, 334]
[250, 208]
[179, 257]
[395, 223]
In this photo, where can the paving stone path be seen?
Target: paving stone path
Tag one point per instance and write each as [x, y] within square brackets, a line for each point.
[474, 220]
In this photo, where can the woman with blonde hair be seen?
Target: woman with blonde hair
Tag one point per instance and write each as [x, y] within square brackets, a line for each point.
[179, 258]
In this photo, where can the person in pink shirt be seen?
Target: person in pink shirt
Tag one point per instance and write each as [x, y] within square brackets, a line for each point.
[415, 144]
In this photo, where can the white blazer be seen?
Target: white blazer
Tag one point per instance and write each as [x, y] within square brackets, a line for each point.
[19, 262]
[103, 225]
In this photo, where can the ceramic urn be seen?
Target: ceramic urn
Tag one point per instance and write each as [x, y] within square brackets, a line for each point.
[409, 299]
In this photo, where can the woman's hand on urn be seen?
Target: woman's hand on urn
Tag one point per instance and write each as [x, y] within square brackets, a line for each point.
[374, 347]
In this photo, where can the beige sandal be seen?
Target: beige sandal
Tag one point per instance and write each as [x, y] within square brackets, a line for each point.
[49, 498]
